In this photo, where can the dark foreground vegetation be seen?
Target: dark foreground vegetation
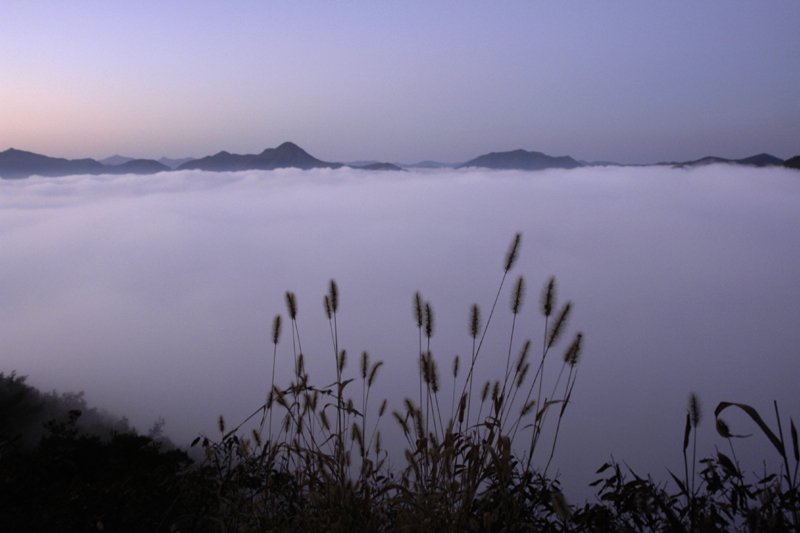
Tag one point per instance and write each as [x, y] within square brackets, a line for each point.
[311, 458]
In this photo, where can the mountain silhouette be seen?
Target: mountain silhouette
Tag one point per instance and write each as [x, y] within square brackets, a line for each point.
[174, 163]
[760, 160]
[379, 166]
[429, 164]
[287, 155]
[792, 162]
[15, 164]
[21, 164]
[116, 160]
[137, 166]
[520, 160]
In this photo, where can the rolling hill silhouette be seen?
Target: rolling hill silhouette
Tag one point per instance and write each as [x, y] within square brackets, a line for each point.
[520, 160]
[760, 160]
[287, 155]
[15, 164]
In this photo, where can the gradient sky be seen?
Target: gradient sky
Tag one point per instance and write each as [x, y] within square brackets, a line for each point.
[633, 82]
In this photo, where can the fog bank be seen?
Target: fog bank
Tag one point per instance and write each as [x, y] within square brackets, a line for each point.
[155, 294]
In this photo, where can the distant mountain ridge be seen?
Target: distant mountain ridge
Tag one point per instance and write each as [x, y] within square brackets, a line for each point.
[21, 164]
[15, 164]
[116, 160]
[138, 166]
[759, 160]
[428, 164]
[174, 163]
[380, 166]
[792, 162]
[520, 160]
[287, 155]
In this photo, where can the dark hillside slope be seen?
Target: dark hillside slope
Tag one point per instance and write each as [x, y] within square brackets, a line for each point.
[16, 164]
[521, 160]
[759, 160]
[792, 162]
[287, 155]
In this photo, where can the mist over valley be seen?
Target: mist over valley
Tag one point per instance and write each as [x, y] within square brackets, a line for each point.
[155, 294]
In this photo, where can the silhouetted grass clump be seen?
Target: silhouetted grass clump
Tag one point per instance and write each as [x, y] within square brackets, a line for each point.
[475, 456]
[316, 461]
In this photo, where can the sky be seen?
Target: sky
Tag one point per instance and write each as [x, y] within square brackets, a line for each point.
[155, 294]
[631, 82]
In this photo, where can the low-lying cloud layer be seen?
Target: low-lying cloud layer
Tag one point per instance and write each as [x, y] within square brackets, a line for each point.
[155, 294]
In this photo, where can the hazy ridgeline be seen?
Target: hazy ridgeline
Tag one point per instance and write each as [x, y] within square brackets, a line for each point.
[155, 295]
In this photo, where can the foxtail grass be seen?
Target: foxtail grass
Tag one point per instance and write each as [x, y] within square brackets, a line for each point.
[329, 453]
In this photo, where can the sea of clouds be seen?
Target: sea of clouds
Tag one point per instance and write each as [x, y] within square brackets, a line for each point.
[155, 294]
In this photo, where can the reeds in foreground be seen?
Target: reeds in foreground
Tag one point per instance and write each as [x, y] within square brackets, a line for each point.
[328, 452]
[326, 469]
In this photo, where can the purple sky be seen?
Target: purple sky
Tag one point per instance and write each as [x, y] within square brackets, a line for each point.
[631, 82]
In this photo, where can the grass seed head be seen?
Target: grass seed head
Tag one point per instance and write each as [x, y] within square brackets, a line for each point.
[522, 373]
[409, 406]
[549, 297]
[334, 296]
[518, 295]
[291, 305]
[326, 302]
[527, 408]
[276, 329]
[513, 252]
[695, 410]
[364, 364]
[485, 391]
[573, 353]
[417, 308]
[434, 371]
[382, 408]
[559, 325]
[400, 420]
[428, 320]
[523, 355]
[374, 373]
[418, 424]
[474, 321]
[424, 368]
[355, 434]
